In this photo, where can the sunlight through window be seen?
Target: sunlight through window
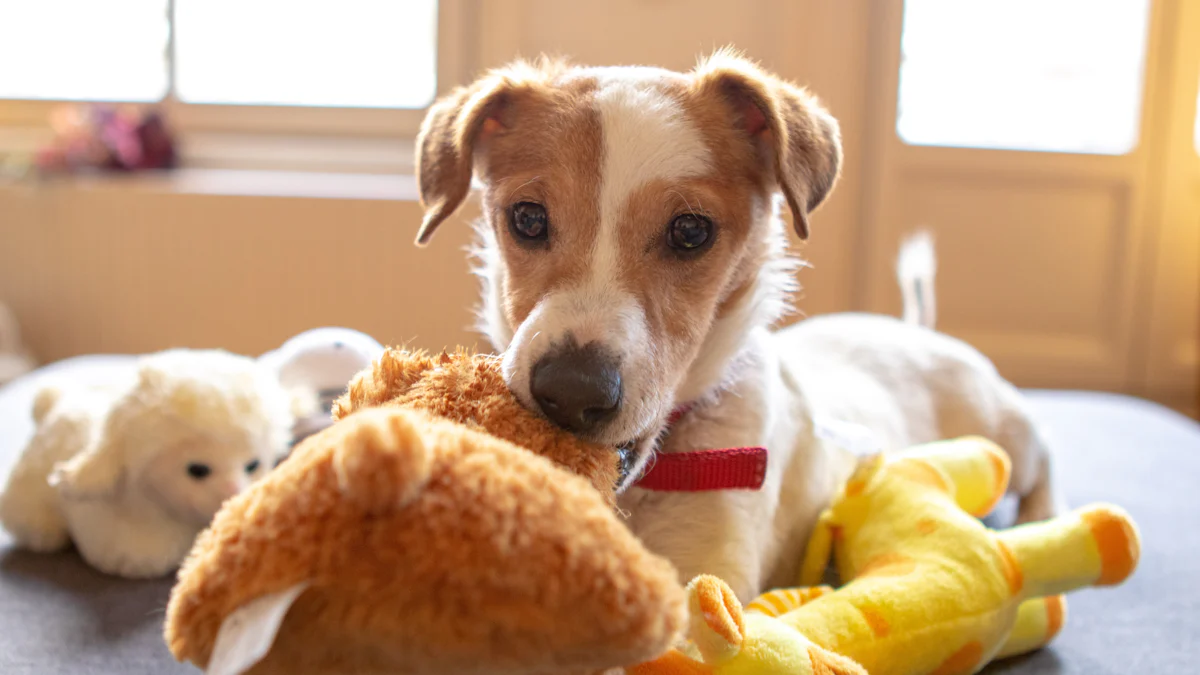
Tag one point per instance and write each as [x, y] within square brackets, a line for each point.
[83, 49]
[353, 53]
[1048, 75]
[344, 53]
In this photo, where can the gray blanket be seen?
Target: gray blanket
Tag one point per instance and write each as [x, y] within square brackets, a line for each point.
[59, 616]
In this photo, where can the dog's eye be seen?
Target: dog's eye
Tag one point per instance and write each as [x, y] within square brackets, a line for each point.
[689, 232]
[529, 221]
[198, 471]
[252, 466]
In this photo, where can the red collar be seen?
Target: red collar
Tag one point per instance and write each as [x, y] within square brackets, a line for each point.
[704, 470]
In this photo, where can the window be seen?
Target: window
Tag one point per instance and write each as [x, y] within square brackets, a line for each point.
[316, 53]
[1048, 75]
[357, 53]
[104, 51]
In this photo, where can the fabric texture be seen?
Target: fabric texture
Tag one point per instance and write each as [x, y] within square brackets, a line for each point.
[57, 615]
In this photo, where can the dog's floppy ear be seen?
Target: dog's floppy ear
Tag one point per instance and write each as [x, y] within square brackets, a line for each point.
[794, 134]
[446, 145]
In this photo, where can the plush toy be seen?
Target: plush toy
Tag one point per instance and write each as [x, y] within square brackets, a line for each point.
[415, 536]
[316, 366]
[930, 589]
[132, 471]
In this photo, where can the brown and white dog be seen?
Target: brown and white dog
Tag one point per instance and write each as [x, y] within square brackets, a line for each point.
[633, 260]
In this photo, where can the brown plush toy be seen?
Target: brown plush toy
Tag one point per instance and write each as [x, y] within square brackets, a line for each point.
[416, 536]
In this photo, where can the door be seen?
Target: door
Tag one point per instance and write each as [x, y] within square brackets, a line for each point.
[1031, 137]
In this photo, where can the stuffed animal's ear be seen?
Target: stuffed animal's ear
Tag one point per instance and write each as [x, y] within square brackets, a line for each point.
[717, 625]
[247, 633]
[381, 460]
[794, 134]
[94, 473]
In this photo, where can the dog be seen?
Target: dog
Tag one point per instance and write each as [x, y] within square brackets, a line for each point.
[633, 260]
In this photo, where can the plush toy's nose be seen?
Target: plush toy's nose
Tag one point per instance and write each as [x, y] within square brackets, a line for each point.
[578, 388]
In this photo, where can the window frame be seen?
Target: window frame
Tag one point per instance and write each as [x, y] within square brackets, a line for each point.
[457, 54]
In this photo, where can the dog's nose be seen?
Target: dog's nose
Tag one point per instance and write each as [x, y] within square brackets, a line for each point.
[578, 388]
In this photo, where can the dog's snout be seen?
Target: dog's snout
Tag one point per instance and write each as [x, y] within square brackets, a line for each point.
[578, 388]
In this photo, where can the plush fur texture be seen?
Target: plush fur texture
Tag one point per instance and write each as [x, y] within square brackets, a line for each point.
[429, 546]
[471, 390]
[111, 468]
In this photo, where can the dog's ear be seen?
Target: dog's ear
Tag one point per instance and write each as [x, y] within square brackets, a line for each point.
[793, 133]
[446, 146]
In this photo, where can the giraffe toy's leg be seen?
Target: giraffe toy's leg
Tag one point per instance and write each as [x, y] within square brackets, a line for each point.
[1038, 622]
[1093, 546]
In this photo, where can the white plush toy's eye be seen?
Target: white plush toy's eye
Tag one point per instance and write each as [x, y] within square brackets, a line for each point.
[252, 466]
[198, 471]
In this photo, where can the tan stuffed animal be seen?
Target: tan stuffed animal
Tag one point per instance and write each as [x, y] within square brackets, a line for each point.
[415, 536]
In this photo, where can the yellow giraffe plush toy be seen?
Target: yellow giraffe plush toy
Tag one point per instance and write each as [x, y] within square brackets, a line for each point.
[929, 589]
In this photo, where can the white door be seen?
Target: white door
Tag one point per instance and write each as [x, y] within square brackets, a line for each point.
[1033, 138]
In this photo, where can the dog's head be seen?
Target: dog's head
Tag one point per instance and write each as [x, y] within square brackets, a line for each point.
[629, 234]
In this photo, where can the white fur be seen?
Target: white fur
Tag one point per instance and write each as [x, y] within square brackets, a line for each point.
[107, 467]
[488, 266]
[916, 268]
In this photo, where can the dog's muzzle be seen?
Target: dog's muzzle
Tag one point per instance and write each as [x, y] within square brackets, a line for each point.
[577, 388]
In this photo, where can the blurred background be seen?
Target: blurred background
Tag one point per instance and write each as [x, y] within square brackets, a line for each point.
[254, 179]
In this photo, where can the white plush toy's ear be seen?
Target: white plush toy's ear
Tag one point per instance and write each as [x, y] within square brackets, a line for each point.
[95, 473]
[247, 633]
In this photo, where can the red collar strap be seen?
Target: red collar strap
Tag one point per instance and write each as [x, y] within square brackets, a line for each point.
[704, 470]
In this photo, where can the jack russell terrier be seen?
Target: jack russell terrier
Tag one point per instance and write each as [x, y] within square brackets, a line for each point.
[633, 261]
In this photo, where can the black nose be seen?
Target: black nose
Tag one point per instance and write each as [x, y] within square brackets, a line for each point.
[578, 388]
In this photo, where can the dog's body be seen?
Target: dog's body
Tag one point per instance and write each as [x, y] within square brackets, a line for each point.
[903, 383]
[633, 260]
